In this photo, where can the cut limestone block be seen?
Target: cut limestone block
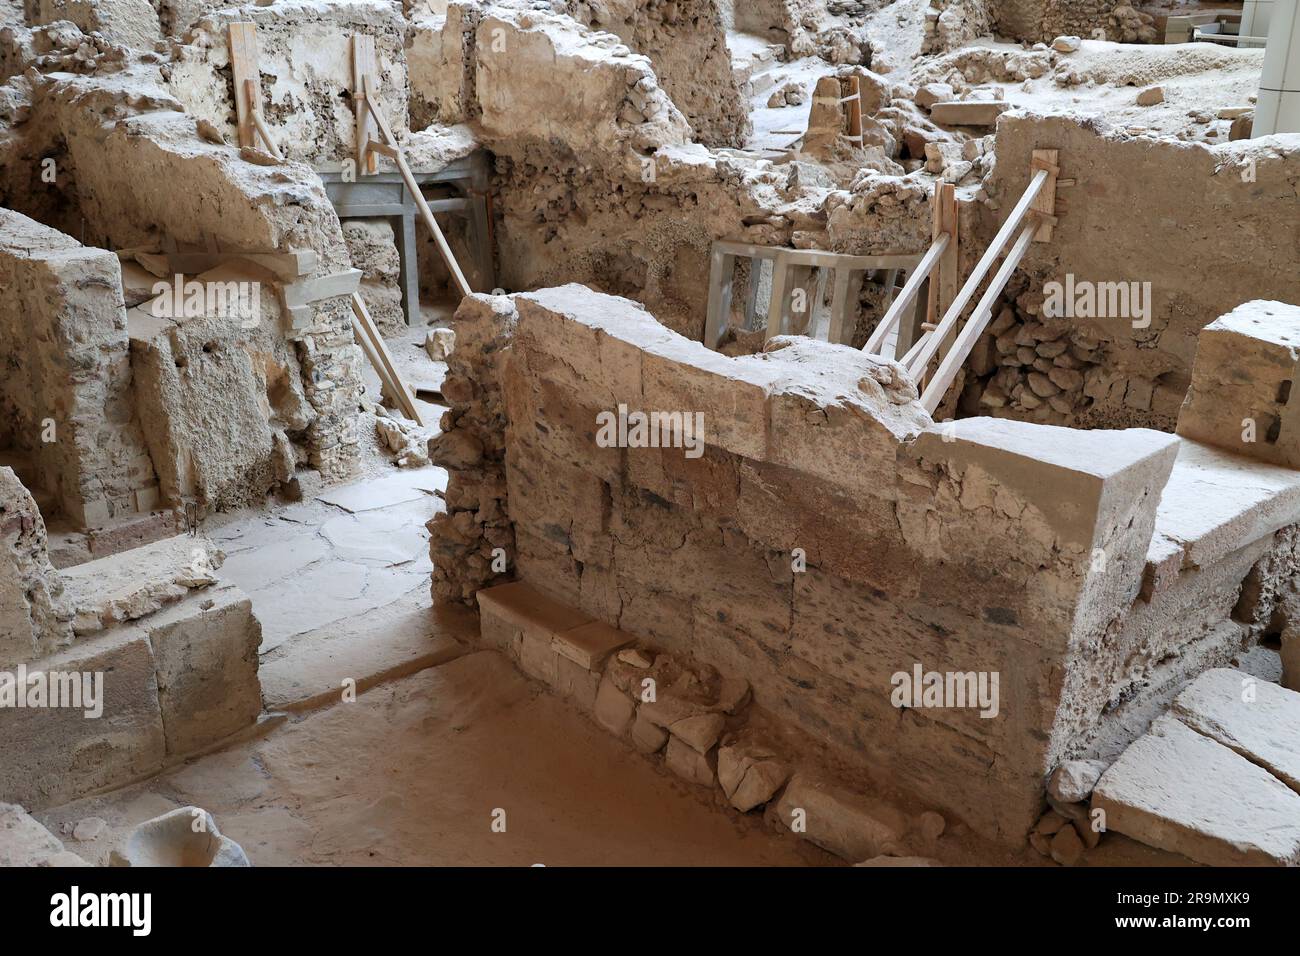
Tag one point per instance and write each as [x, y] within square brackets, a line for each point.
[205, 648]
[847, 825]
[1259, 720]
[24, 842]
[56, 754]
[522, 608]
[968, 112]
[589, 645]
[749, 775]
[1180, 791]
[1216, 502]
[614, 709]
[186, 836]
[1242, 384]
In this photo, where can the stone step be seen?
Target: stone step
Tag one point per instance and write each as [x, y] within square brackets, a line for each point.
[1178, 790]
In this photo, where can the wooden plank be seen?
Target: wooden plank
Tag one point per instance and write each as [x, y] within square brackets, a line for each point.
[386, 133]
[776, 304]
[243, 66]
[382, 360]
[363, 66]
[1044, 205]
[853, 104]
[944, 284]
[979, 320]
[715, 320]
[905, 298]
[918, 359]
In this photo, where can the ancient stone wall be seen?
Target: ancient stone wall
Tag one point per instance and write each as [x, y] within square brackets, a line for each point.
[65, 392]
[1121, 258]
[33, 616]
[304, 57]
[828, 537]
[687, 47]
[1042, 20]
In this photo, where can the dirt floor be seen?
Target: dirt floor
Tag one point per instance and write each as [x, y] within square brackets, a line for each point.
[416, 772]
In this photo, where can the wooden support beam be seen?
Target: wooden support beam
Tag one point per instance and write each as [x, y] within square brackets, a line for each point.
[906, 297]
[387, 137]
[363, 65]
[372, 343]
[1044, 206]
[243, 67]
[853, 105]
[979, 320]
[255, 110]
[944, 285]
[918, 359]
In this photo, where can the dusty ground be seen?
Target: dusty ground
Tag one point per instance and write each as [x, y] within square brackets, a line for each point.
[415, 772]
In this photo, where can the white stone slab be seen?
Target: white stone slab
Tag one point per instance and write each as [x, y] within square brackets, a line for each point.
[1259, 720]
[1180, 791]
[385, 492]
[1215, 503]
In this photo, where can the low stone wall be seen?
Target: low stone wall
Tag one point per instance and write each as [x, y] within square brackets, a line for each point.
[122, 665]
[826, 538]
[65, 391]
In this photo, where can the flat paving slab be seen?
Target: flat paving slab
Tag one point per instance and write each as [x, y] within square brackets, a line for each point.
[1181, 791]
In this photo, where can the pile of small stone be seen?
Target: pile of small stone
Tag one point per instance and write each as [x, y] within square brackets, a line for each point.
[1037, 364]
[787, 94]
[1067, 829]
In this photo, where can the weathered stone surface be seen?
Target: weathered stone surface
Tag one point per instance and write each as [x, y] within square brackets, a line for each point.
[968, 112]
[590, 644]
[614, 709]
[848, 826]
[24, 842]
[1073, 780]
[1241, 390]
[205, 650]
[689, 764]
[1258, 720]
[1178, 790]
[54, 755]
[647, 737]
[186, 836]
[700, 732]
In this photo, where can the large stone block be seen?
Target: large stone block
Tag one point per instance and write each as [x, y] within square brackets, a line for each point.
[205, 648]
[53, 755]
[1241, 396]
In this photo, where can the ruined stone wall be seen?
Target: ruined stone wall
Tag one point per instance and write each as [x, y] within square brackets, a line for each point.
[1208, 227]
[687, 47]
[33, 617]
[65, 392]
[1042, 20]
[950, 24]
[970, 547]
[132, 23]
[304, 56]
[135, 172]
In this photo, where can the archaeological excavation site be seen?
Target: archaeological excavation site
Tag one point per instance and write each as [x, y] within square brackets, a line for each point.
[649, 433]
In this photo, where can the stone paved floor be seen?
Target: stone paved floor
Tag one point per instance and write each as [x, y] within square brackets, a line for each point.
[341, 584]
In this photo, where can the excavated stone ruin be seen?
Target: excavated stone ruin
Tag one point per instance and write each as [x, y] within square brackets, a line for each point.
[860, 430]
